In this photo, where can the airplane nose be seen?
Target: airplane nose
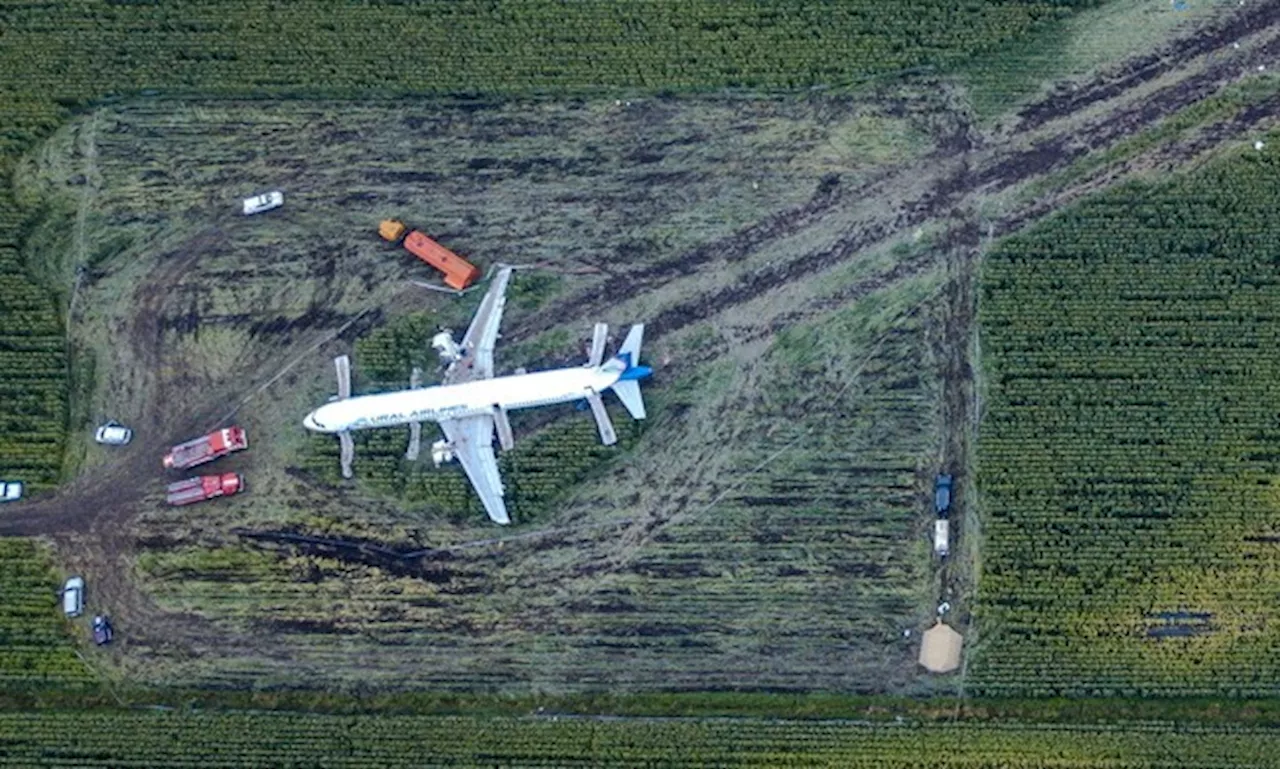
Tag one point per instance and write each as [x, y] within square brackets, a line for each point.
[310, 423]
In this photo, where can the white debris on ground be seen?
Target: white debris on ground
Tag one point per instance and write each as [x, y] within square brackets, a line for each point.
[1258, 145]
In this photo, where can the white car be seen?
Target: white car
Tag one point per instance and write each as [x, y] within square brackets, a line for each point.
[113, 434]
[264, 202]
[73, 597]
[10, 490]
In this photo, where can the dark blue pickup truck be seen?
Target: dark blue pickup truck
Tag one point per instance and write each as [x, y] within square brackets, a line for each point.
[942, 495]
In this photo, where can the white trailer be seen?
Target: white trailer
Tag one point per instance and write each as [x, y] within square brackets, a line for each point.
[941, 537]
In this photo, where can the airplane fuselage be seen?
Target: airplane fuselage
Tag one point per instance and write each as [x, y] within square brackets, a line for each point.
[432, 404]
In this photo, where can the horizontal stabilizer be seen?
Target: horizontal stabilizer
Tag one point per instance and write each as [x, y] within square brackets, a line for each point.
[628, 391]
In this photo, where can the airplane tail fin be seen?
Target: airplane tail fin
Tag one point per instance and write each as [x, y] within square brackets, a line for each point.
[630, 349]
[628, 385]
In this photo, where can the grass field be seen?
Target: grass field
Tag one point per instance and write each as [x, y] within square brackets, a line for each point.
[765, 527]
[1127, 460]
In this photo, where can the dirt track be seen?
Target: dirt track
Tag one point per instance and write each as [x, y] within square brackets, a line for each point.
[91, 528]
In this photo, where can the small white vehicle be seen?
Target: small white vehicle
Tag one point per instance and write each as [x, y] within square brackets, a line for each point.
[113, 434]
[73, 597]
[264, 202]
[10, 491]
[941, 537]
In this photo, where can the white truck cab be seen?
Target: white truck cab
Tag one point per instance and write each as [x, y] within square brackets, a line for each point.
[10, 491]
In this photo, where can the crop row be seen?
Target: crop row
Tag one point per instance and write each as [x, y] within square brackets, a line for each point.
[470, 46]
[270, 739]
[33, 372]
[1130, 455]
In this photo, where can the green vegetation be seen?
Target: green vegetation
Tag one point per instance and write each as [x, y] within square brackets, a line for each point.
[35, 650]
[1105, 33]
[1129, 476]
[33, 372]
[61, 55]
[277, 739]
[1130, 501]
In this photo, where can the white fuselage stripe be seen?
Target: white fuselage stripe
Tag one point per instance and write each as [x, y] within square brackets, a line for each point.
[432, 404]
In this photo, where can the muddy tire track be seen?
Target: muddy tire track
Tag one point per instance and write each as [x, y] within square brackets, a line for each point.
[1136, 72]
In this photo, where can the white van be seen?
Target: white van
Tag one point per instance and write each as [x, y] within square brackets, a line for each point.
[73, 597]
[941, 537]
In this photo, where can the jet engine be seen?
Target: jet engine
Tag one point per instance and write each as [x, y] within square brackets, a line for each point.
[441, 452]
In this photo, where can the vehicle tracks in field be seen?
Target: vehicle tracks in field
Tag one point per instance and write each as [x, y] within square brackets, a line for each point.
[991, 165]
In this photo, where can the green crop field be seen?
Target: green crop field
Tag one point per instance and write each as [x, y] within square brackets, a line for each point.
[296, 740]
[804, 202]
[35, 649]
[33, 374]
[1129, 472]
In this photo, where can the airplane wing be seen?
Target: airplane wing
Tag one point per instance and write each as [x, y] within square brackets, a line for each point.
[477, 361]
[472, 439]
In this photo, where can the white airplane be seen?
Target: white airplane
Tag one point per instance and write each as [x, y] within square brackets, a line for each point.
[471, 403]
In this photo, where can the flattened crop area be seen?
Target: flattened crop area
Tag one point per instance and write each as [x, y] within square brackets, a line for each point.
[1129, 461]
[764, 528]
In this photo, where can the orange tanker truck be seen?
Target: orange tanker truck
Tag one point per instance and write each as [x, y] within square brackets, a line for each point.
[458, 272]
